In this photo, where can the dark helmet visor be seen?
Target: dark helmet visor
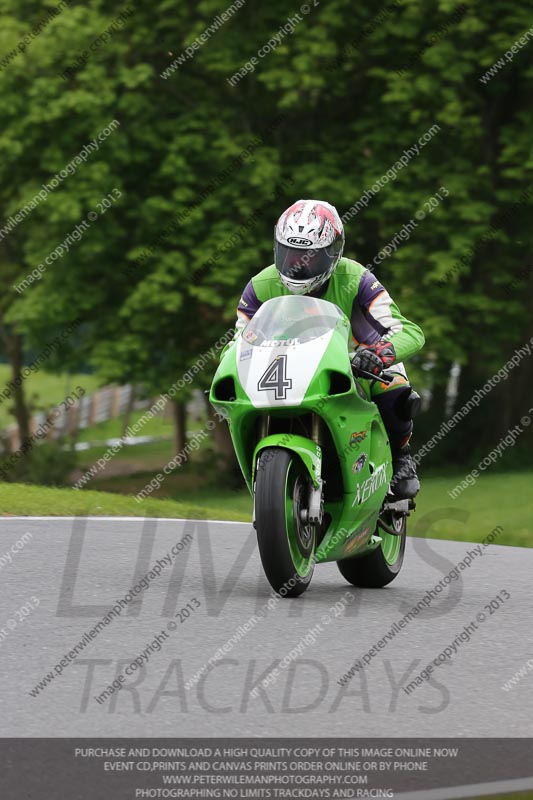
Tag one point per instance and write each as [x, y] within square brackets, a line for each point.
[297, 264]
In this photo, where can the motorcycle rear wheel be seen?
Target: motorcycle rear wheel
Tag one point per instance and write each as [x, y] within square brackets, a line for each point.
[383, 564]
[286, 544]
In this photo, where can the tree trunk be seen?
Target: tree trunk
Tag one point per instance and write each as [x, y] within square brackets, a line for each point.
[180, 422]
[20, 408]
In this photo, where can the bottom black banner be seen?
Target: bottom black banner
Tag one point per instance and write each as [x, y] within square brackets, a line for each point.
[113, 769]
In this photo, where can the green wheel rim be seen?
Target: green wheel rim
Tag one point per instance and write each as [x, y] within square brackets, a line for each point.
[391, 547]
[303, 564]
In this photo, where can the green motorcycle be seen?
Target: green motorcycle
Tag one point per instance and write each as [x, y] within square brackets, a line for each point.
[312, 447]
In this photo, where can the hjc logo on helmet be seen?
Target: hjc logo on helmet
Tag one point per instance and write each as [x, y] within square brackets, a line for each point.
[299, 242]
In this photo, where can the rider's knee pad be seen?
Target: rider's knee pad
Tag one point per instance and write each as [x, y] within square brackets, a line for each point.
[408, 405]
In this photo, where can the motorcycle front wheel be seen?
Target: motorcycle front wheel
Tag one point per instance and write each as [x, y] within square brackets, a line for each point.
[286, 542]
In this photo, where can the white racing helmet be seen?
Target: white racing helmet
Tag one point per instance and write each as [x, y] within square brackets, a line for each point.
[308, 244]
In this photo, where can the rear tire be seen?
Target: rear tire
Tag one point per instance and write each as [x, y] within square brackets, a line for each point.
[383, 564]
[286, 545]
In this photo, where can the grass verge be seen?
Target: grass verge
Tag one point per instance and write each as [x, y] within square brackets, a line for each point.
[21, 499]
[499, 499]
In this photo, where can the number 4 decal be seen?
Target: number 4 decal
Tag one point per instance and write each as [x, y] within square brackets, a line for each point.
[275, 377]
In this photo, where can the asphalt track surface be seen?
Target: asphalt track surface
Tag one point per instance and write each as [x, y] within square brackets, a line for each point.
[77, 569]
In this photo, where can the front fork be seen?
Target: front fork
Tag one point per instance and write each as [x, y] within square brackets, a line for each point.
[310, 453]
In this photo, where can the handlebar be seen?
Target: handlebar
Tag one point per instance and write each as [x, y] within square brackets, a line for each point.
[384, 377]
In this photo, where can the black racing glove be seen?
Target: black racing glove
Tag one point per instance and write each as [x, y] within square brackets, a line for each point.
[375, 358]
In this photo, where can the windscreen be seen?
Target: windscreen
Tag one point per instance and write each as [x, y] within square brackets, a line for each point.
[291, 320]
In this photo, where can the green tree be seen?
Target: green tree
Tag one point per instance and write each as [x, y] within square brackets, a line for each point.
[327, 113]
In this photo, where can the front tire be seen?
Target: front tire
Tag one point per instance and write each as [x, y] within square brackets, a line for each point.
[383, 564]
[286, 544]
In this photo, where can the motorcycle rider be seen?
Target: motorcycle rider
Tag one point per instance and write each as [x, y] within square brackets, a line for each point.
[308, 247]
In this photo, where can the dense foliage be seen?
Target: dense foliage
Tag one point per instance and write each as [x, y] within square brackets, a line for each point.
[204, 166]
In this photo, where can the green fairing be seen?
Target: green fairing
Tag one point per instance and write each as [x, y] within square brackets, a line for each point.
[309, 452]
[344, 414]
